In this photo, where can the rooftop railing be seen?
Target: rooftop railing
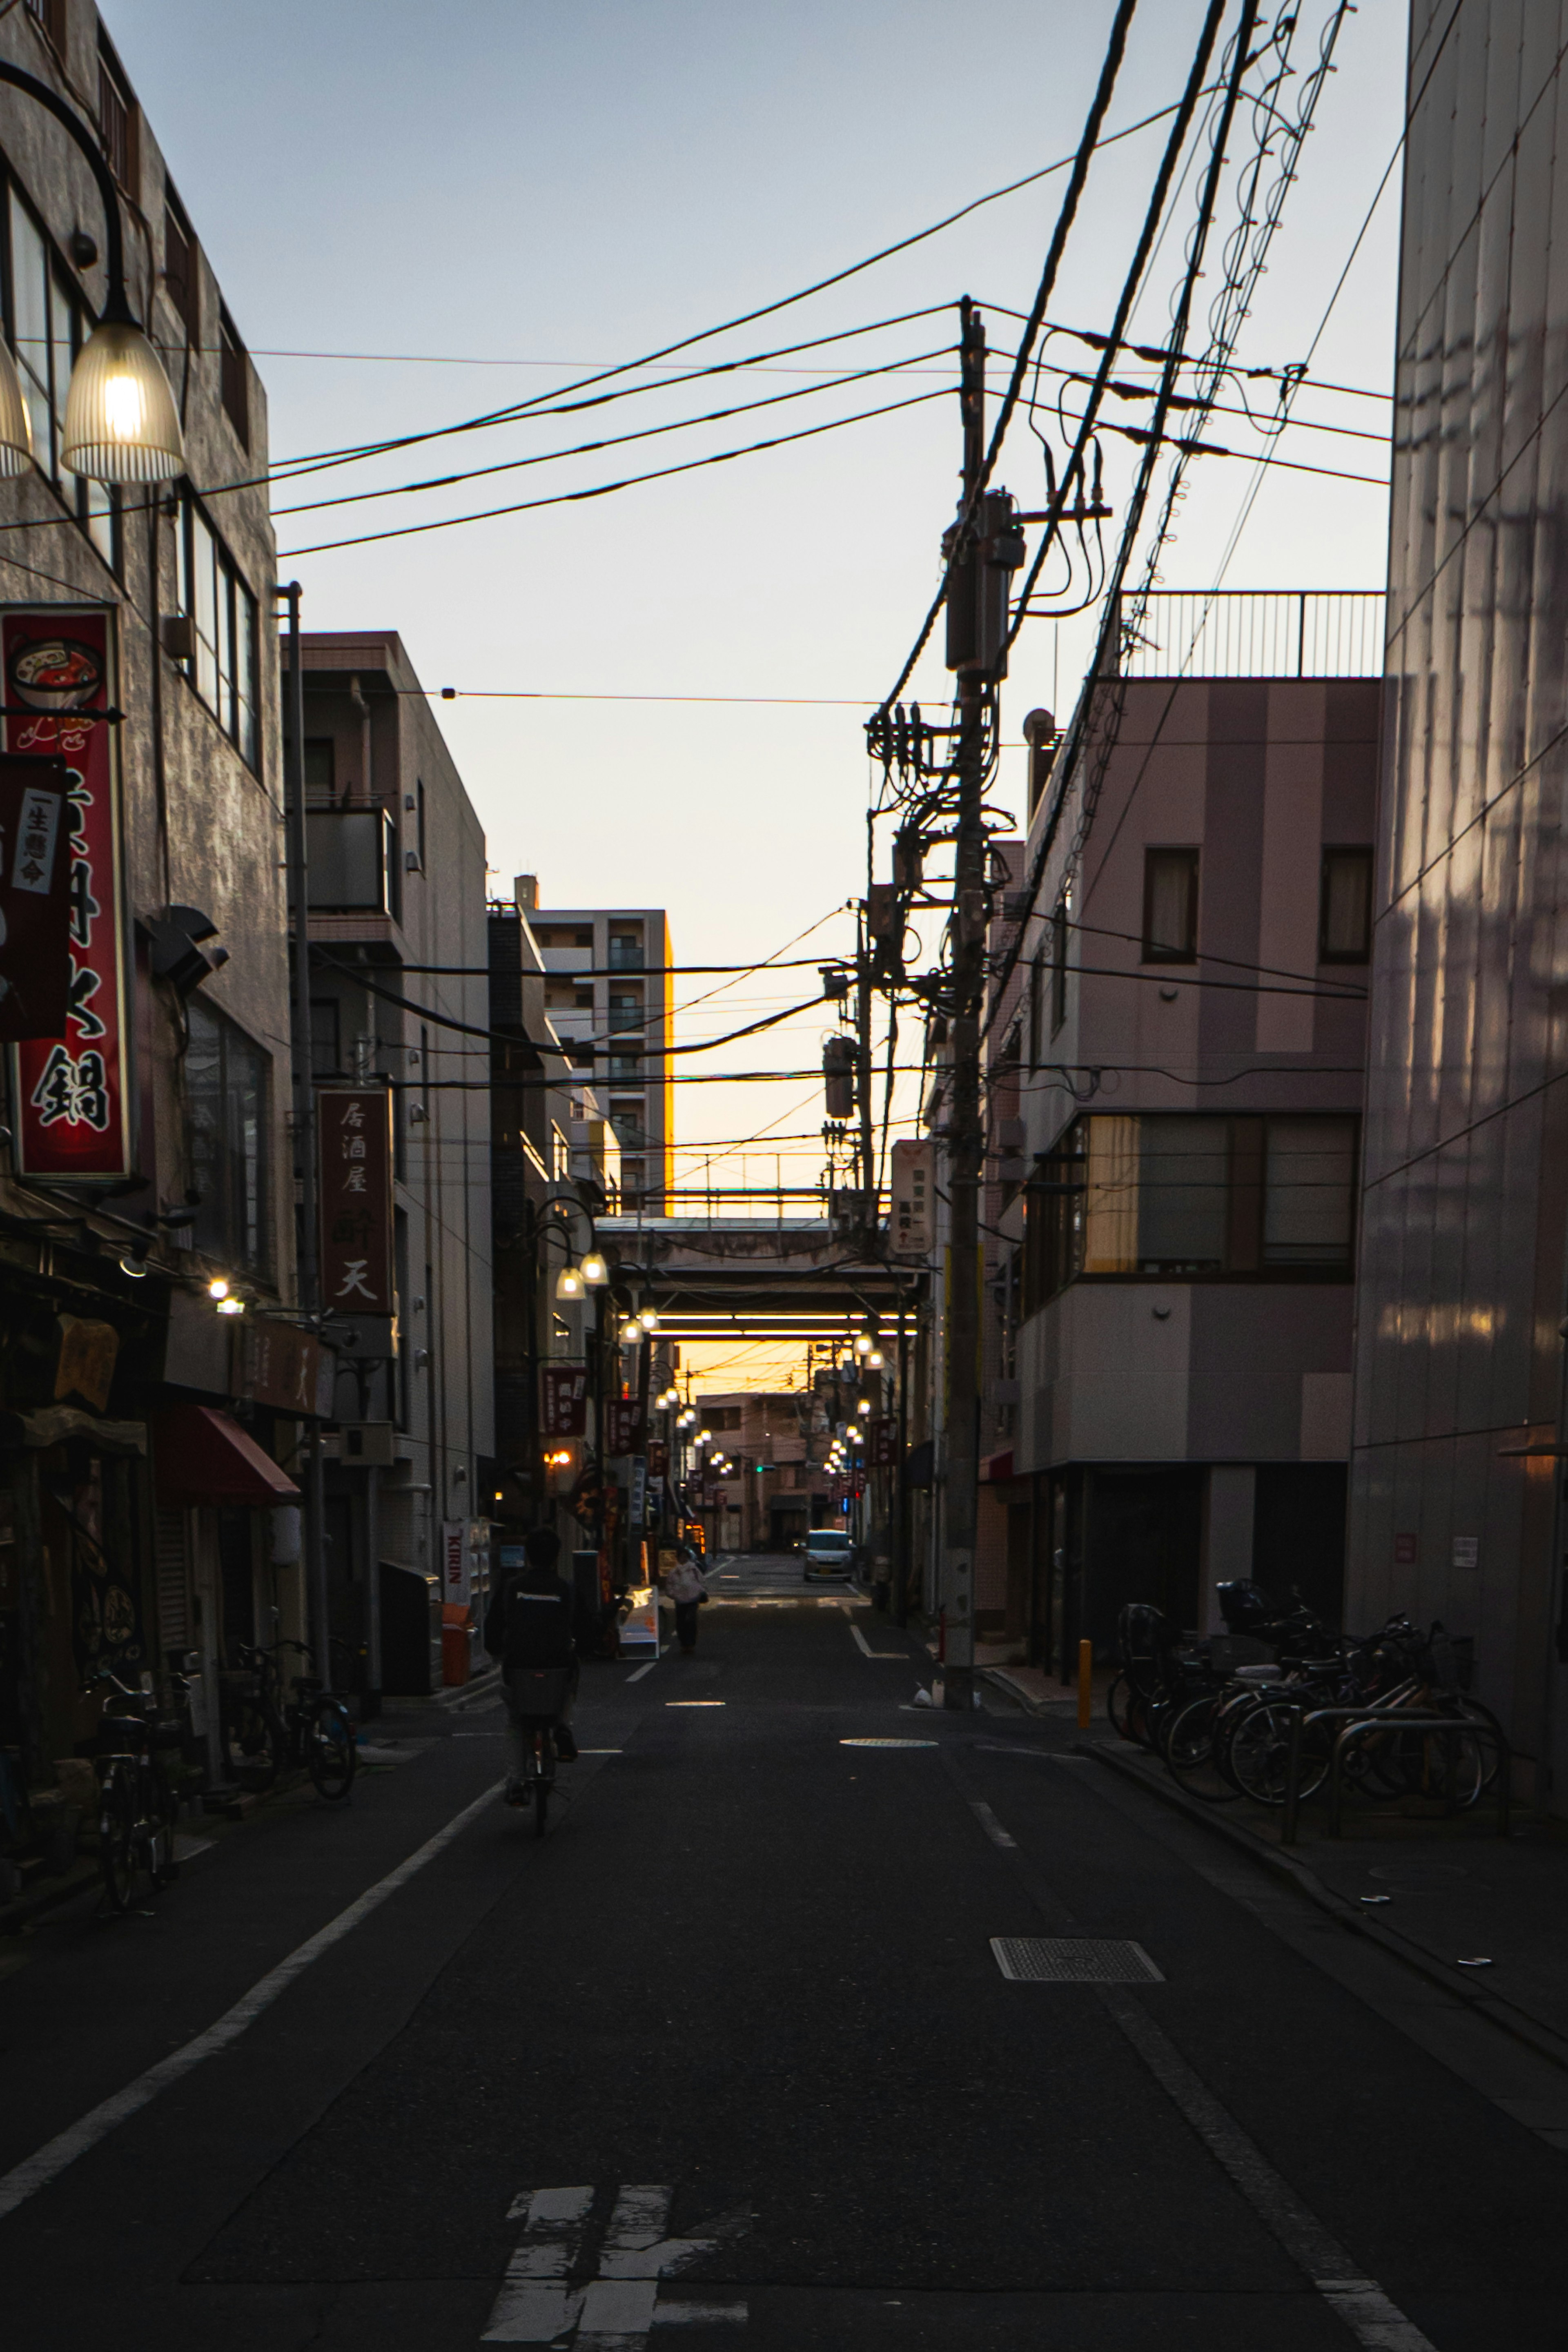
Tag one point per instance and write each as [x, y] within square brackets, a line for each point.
[1255, 633]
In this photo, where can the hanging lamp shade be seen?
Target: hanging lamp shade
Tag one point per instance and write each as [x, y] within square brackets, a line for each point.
[16, 425]
[569, 1282]
[121, 421]
[594, 1270]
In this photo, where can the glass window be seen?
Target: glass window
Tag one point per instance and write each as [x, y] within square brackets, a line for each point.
[30, 315]
[1059, 967]
[204, 611]
[1309, 1191]
[223, 668]
[1345, 920]
[1110, 1204]
[1170, 906]
[61, 338]
[1183, 1190]
[245, 732]
[227, 1080]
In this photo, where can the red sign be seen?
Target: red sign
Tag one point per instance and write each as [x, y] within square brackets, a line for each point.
[564, 1401]
[623, 1426]
[884, 1445]
[657, 1458]
[1405, 1552]
[34, 899]
[73, 1090]
[353, 1151]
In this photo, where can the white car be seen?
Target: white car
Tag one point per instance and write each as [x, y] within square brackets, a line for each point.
[827, 1552]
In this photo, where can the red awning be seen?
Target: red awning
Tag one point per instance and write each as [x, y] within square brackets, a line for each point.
[998, 1469]
[204, 1457]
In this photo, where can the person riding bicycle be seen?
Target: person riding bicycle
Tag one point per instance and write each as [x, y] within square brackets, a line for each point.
[528, 1623]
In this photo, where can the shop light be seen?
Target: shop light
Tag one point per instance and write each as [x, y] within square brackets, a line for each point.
[864, 1406]
[218, 1287]
[569, 1282]
[649, 1319]
[862, 1343]
[231, 1307]
[594, 1270]
[874, 1360]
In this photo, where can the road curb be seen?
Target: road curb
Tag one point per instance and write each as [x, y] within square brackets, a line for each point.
[1495, 2007]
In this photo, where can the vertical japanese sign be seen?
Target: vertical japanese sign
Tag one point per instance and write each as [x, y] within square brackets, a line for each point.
[34, 899]
[73, 1090]
[456, 1582]
[914, 1228]
[353, 1154]
[564, 1401]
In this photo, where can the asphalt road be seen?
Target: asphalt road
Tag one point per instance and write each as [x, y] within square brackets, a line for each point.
[728, 2059]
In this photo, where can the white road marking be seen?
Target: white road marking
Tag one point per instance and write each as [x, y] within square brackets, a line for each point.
[897, 1655]
[990, 1825]
[694, 1702]
[643, 1670]
[1376, 2322]
[613, 2313]
[37, 2172]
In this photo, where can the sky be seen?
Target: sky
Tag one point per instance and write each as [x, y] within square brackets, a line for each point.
[470, 207]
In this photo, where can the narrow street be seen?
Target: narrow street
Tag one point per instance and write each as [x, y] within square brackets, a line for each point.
[729, 2057]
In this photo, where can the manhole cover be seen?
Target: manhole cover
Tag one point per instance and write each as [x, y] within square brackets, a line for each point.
[1076, 1959]
[886, 1743]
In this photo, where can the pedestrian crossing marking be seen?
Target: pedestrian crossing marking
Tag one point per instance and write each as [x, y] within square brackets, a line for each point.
[613, 2311]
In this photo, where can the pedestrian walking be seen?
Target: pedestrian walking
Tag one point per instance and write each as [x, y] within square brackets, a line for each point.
[685, 1585]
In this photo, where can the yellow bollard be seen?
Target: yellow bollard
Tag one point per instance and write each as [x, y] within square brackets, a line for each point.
[1085, 1684]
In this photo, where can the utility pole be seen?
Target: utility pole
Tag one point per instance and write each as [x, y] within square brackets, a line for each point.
[984, 547]
[305, 1135]
[863, 1078]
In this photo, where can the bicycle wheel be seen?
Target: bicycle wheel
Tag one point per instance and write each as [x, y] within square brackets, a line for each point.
[330, 1751]
[117, 1837]
[158, 1832]
[1190, 1751]
[1261, 1750]
[1119, 1698]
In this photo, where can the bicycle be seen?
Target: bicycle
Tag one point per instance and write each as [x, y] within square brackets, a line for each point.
[137, 1809]
[312, 1730]
[541, 1693]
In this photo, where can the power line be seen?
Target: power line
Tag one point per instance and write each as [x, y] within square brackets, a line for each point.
[632, 482]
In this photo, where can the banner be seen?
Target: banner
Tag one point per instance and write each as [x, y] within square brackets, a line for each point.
[353, 1159]
[564, 1401]
[913, 1223]
[34, 899]
[455, 1559]
[883, 1449]
[73, 1088]
[623, 1426]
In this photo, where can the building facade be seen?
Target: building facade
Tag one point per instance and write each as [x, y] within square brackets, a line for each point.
[610, 988]
[1173, 1091]
[400, 1006]
[1457, 1490]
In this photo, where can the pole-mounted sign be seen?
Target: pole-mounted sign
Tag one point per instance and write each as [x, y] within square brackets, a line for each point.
[353, 1142]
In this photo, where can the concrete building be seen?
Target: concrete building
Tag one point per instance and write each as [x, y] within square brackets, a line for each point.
[1173, 1092]
[1457, 1491]
[610, 989]
[399, 999]
[143, 1434]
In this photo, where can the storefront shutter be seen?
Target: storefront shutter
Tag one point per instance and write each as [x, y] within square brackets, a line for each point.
[174, 1578]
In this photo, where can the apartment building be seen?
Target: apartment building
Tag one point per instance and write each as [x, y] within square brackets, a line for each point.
[399, 1011]
[610, 995]
[778, 1491]
[1174, 1092]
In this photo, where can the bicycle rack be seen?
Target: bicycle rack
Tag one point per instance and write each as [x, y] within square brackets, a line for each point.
[1352, 1721]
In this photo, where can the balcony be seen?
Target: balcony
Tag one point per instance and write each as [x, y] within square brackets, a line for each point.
[1253, 632]
[626, 955]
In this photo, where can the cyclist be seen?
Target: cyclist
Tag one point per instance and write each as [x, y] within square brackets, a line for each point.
[528, 1623]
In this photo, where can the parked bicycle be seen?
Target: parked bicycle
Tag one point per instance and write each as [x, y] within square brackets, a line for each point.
[138, 1804]
[267, 1734]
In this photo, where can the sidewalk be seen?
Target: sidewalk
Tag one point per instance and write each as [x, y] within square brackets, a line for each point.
[1441, 1894]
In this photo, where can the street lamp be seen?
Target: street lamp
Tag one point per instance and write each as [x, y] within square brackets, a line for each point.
[594, 1270]
[569, 1283]
[121, 423]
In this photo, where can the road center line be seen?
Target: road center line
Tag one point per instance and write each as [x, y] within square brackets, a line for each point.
[50, 2161]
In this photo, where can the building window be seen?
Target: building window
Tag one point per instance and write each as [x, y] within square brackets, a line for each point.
[1170, 906]
[320, 771]
[233, 379]
[625, 1011]
[1037, 1000]
[1344, 922]
[227, 1079]
[223, 666]
[49, 327]
[1171, 1197]
[49, 16]
[626, 950]
[180, 265]
[627, 1120]
[116, 119]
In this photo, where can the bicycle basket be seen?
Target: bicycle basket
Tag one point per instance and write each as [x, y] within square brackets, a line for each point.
[539, 1692]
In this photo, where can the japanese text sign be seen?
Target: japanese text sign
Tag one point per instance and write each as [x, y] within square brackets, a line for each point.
[564, 1401]
[912, 1223]
[883, 1433]
[623, 1426]
[353, 1151]
[73, 1082]
[34, 899]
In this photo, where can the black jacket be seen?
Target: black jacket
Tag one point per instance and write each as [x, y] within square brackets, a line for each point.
[530, 1625]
